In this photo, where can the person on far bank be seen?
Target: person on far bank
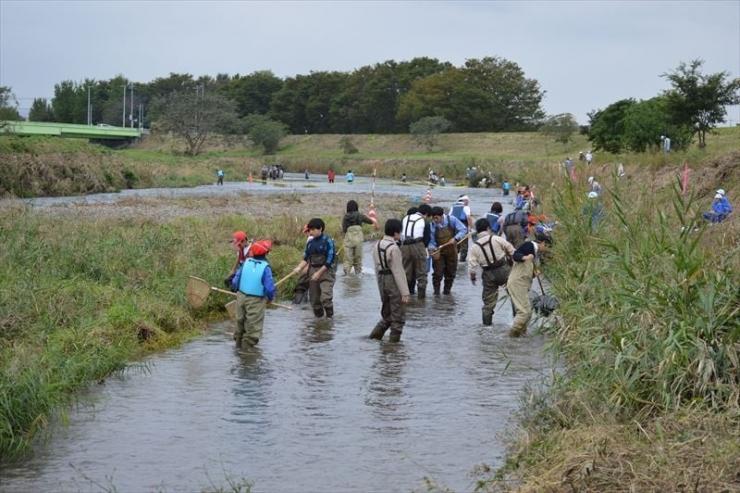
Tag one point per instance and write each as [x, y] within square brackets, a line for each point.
[414, 237]
[461, 210]
[353, 237]
[350, 176]
[506, 187]
[331, 175]
[519, 284]
[306, 174]
[392, 285]
[220, 177]
[256, 285]
[490, 253]
[320, 257]
[446, 231]
[594, 186]
[721, 208]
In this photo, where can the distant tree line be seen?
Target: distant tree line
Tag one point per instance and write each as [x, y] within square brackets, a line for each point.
[693, 106]
[488, 94]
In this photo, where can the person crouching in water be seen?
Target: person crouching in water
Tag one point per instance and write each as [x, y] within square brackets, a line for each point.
[519, 284]
[489, 252]
[392, 285]
[256, 285]
[320, 257]
[353, 237]
[446, 231]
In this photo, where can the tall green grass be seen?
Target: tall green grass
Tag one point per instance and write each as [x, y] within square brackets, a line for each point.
[81, 298]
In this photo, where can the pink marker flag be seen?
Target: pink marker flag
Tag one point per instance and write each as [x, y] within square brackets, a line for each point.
[685, 178]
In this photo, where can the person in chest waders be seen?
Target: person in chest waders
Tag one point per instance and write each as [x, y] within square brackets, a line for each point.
[353, 237]
[256, 285]
[490, 253]
[394, 291]
[446, 231]
[519, 284]
[414, 238]
[516, 226]
[461, 210]
[320, 257]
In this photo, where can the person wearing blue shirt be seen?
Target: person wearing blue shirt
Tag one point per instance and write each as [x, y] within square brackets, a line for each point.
[446, 232]
[505, 187]
[255, 286]
[350, 176]
[320, 257]
[220, 176]
[721, 208]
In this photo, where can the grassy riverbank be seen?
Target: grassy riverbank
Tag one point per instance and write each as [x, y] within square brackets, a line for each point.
[82, 296]
[52, 166]
[649, 335]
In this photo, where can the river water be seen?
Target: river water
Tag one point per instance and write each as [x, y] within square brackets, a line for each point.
[316, 407]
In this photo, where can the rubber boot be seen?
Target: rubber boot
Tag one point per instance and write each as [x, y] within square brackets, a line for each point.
[318, 312]
[395, 336]
[436, 288]
[329, 311]
[412, 287]
[487, 318]
[448, 287]
[378, 332]
[422, 294]
[517, 332]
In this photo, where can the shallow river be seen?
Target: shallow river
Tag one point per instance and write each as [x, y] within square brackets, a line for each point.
[316, 407]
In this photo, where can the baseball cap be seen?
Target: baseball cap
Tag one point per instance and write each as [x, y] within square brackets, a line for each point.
[239, 236]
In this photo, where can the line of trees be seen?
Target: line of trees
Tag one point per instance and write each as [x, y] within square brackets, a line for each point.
[693, 106]
[488, 94]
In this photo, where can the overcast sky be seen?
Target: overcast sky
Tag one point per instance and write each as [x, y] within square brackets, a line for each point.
[586, 55]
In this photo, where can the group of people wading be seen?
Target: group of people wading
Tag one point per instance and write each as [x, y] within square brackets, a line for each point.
[501, 251]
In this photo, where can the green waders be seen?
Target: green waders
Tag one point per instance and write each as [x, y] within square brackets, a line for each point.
[250, 317]
[492, 278]
[519, 284]
[353, 239]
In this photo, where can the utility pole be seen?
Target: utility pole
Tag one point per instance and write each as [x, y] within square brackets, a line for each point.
[123, 117]
[89, 108]
[141, 116]
[131, 113]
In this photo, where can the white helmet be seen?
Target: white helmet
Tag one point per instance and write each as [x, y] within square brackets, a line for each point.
[590, 179]
[592, 195]
[721, 191]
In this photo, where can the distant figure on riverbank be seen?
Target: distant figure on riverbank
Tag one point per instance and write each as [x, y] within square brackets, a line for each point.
[220, 177]
[330, 175]
[350, 176]
[306, 174]
[721, 208]
[594, 186]
[506, 187]
[620, 170]
[263, 174]
[665, 144]
[570, 168]
[589, 158]
[403, 178]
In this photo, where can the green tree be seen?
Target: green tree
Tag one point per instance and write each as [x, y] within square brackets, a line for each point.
[8, 105]
[699, 100]
[194, 117]
[252, 93]
[646, 121]
[69, 104]
[560, 127]
[426, 131]
[304, 102]
[606, 127]
[265, 132]
[40, 111]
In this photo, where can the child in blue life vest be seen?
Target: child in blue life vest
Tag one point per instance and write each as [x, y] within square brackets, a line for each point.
[256, 286]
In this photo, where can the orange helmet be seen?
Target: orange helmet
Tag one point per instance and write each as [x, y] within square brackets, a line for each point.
[261, 247]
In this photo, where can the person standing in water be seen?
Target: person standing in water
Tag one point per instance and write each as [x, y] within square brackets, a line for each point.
[353, 237]
[394, 291]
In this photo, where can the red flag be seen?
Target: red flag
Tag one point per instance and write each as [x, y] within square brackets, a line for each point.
[685, 178]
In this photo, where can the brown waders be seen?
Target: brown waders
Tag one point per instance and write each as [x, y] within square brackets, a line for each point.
[321, 292]
[445, 265]
[250, 317]
[353, 239]
[392, 312]
[415, 265]
[492, 278]
[514, 235]
[518, 285]
[463, 249]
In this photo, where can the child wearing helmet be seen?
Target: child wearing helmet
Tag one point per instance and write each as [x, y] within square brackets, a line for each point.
[256, 285]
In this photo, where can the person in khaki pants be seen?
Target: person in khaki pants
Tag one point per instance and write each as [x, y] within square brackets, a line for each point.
[353, 237]
[319, 256]
[414, 238]
[519, 284]
[489, 252]
[392, 284]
